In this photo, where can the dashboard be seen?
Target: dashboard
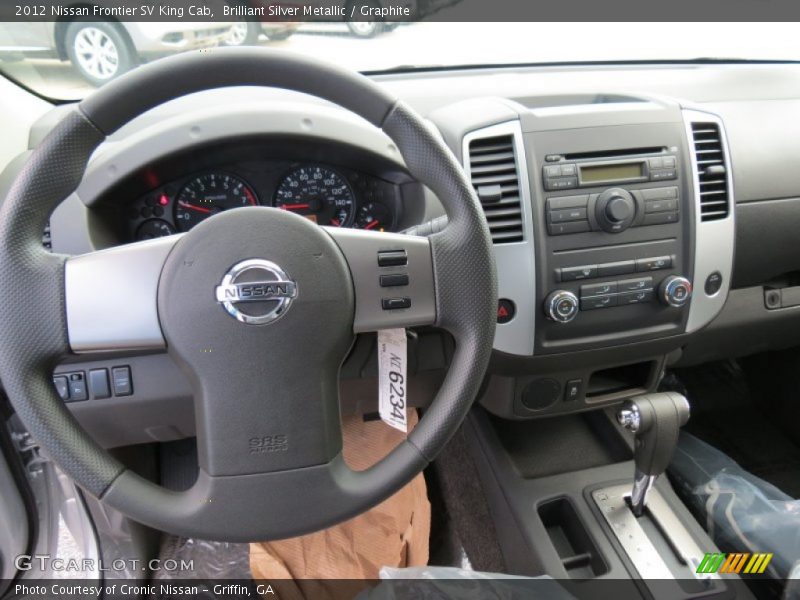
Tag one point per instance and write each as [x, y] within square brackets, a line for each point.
[632, 230]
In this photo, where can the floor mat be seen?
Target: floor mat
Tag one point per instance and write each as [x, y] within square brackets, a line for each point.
[725, 415]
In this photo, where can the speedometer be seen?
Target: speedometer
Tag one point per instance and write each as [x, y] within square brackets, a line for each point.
[317, 193]
[209, 194]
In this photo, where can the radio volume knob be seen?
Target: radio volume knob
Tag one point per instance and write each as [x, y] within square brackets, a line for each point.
[561, 306]
[615, 210]
[675, 291]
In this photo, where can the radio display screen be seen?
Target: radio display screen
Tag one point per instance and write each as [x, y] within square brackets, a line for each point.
[616, 172]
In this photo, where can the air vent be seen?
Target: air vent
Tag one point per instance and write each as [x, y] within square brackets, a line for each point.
[47, 242]
[712, 170]
[493, 169]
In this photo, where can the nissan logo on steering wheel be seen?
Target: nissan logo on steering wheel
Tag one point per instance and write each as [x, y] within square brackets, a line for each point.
[256, 291]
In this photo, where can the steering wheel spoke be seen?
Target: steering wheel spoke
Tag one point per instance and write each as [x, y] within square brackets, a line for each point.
[393, 278]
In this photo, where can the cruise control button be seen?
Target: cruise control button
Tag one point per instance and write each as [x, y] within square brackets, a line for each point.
[393, 280]
[577, 273]
[392, 258]
[594, 302]
[633, 285]
[635, 297]
[653, 264]
[395, 303]
[598, 289]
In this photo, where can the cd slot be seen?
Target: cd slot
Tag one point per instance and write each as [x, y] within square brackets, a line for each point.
[622, 153]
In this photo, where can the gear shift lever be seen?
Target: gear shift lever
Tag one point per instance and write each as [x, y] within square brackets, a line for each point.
[655, 419]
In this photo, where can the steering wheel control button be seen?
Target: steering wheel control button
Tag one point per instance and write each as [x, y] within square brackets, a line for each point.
[256, 291]
[561, 306]
[595, 302]
[578, 273]
[713, 283]
[572, 390]
[395, 303]
[62, 387]
[392, 258]
[541, 393]
[395, 280]
[599, 289]
[653, 264]
[77, 387]
[121, 381]
[98, 384]
[675, 291]
[506, 310]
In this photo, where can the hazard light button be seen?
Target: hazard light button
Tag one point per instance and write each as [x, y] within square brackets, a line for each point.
[505, 310]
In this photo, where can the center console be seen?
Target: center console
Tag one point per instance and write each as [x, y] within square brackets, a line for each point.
[613, 229]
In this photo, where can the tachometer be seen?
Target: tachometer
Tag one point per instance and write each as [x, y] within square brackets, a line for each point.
[317, 193]
[208, 194]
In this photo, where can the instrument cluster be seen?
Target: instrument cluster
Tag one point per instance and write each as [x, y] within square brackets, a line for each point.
[324, 194]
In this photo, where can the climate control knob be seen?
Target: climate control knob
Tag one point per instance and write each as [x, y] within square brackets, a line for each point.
[675, 291]
[615, 210]
[561, 306]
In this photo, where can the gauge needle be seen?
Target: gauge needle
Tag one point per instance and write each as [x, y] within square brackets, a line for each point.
[295, 206]
[371, 224]
[197, 208]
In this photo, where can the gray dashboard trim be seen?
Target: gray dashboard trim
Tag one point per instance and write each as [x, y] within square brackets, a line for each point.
[110, 297]
[714, 240]
[516, 268]
[200, 124]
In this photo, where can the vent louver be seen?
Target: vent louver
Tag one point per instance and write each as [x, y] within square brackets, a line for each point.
[712, 171]
[493, 170]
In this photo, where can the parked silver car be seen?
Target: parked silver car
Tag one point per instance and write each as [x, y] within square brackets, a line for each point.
[102, 51]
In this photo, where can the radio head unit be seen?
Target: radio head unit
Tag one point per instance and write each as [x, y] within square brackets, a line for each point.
[570, 171]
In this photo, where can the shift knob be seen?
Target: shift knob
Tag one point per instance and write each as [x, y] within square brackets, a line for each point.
[655, 420]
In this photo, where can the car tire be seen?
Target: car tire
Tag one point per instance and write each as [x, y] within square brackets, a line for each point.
[360, 28]
[99, 52]
[279, 36]
[243, 33]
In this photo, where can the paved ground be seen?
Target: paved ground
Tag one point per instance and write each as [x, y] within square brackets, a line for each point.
[480, 43]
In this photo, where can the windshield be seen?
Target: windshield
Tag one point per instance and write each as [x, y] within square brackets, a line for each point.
[68, 59]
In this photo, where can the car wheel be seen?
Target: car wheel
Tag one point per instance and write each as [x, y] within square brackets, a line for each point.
[243, 33]
[361, 28]
[98, 51]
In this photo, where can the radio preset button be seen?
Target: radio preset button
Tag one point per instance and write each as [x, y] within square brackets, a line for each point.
[567, 202]
[569, 227]
[661, 218]
[552, 171]
[578, 273]
[656, 206]
[656, 163]
[568, 170]
[663, 174]
[670, 162]
[661, 193]
[567, 214]
[562, 183]
[653, 264]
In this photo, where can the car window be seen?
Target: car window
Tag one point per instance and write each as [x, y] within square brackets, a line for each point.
[67, 60]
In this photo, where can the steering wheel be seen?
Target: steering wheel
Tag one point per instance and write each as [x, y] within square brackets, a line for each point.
[258, 307]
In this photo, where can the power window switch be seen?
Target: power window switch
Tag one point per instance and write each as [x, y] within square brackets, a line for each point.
[77, 387]
[98, 384]
[121, 381]
[62, 387]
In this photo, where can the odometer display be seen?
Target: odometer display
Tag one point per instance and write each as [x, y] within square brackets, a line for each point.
[208, 194]
[317, 193]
